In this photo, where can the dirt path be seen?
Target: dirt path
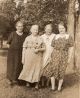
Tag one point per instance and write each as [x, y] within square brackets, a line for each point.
[71, 86]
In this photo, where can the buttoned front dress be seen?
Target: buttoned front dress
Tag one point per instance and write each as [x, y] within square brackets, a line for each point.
[32, 61]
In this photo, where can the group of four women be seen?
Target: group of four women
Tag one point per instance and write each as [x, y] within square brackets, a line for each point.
[35, 56]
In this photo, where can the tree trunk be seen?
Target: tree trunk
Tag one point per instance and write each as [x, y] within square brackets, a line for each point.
[71, 30]
[77, 46]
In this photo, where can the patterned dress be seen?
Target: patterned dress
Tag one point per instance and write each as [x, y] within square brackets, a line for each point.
[59, 62]
[32, 61]
[14, 65]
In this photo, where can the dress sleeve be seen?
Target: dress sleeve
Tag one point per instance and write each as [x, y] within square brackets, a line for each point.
[24, 50]
[10, 38]
[70, 41]
[25, 43]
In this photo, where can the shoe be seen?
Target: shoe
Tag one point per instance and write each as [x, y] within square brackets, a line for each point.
[53, 89]
[13, 83]
[36, 87]
[60, 89]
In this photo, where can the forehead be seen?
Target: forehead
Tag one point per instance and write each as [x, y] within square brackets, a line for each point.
[61, 26]
[19, 24]
[34, 27]
[48, 26]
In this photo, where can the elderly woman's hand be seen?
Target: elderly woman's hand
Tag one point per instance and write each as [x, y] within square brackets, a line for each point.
[36, 50]
[8, 45]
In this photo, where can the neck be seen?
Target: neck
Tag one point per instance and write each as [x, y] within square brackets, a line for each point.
[48, 34]
[62, 33]
[35, 35]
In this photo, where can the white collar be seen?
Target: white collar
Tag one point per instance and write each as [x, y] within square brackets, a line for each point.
[19, 33]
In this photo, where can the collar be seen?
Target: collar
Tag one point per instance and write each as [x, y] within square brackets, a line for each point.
[19, 33]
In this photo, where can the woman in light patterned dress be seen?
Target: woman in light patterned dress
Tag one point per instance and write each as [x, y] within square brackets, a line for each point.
[33, 48]
[47, 38]
[59, 62]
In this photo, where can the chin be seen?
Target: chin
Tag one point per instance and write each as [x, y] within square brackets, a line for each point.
[49, 33]
[62, 32]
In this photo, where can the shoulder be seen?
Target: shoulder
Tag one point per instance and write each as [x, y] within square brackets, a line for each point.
[57, 36]
[53, 35]
[25, 34]
[43, 35]
[28, 38]
[40, 39]
[12, 33]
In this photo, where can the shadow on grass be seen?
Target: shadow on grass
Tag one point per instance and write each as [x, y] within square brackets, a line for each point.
[70, 80]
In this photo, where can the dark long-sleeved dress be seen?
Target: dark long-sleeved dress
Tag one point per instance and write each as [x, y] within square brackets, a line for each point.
[59, 62]
[14, 65]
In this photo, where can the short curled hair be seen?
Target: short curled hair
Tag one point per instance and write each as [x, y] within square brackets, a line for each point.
[63, 24]
[19, 22]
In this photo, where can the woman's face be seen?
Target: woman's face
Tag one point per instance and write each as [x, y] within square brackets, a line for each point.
[48, 29]
[34, 30]
[61, 29]
[19, 27]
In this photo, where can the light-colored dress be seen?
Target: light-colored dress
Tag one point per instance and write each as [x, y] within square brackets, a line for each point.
[47, 53]
[32, 61]
[59, 61]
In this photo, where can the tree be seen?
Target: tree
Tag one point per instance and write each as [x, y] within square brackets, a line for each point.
[8, 16]
[70, 25]
[43, 11]
[77, 43]
[36, 11]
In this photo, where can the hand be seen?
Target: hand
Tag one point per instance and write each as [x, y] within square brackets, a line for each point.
[8, 45]
[36, 50]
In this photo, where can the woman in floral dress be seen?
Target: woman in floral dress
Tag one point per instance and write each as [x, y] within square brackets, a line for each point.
[59, 62]
[33, 48]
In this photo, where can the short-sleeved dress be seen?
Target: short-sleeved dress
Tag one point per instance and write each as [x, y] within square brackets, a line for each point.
[59, 60]
[48, 51]
[14, 65]
[32, 61]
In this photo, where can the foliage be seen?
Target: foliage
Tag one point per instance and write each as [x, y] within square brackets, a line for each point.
[44, 11]
[35, 12]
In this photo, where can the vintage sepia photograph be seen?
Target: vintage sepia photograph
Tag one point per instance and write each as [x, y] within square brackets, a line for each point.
[39, 48]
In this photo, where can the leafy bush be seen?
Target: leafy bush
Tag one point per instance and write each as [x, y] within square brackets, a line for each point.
[35, 12]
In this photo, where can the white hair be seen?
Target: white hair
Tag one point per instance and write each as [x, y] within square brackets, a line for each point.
[33, 26]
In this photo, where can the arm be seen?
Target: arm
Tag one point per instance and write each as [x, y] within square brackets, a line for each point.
[70, 42]
[23, 51]
[9, 40]
[23, 55]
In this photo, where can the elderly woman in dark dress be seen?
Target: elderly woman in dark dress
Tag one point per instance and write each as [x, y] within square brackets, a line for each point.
[56, 69]
[15, 42]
